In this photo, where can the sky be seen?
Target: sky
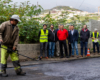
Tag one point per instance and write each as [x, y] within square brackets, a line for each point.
[85, 5]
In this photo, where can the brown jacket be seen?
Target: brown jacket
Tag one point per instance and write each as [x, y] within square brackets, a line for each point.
[9, 35]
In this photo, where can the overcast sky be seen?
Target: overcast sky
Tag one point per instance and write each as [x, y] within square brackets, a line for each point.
[86, 5]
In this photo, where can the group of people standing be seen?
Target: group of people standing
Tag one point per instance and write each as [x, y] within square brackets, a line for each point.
[56, 40]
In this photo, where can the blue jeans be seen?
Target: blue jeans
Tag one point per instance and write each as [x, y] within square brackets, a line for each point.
[97, 44]
[51, 49]
[74, 44]
[82, 45]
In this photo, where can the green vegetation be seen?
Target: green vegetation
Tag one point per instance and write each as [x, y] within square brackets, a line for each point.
[29, 26]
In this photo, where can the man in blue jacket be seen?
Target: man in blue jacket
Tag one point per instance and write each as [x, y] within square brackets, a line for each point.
[73, 38]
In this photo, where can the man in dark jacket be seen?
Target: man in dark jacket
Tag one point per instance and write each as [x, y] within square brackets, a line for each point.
[69, 44]
[56, 38]
[84, 36]
[51, 39]
[73, 38]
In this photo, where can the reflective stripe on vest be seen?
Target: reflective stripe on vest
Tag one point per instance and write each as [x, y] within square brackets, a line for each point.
[44, 36]
[94, 36]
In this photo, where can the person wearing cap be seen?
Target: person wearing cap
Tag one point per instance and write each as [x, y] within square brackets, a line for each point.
[43, 38]
[9, 37]
[95, 36]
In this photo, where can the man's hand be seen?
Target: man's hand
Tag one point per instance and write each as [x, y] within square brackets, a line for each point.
[14, 48]
[1, 40]
[93, 38]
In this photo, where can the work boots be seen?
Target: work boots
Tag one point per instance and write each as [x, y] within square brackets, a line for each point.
[20, 72]
[40, 58]
[3, 73]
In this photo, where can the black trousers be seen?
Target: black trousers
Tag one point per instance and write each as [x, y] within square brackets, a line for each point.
[43, 46]
[63, 43]
[95, 44]
[70, 49]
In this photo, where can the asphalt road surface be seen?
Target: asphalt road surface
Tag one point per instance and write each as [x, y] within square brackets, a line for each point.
[85, 69]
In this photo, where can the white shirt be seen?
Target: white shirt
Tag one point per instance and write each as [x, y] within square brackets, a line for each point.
[72, 31]
[51, 30]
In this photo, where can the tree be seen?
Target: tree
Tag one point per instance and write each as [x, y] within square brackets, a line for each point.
[29, 25]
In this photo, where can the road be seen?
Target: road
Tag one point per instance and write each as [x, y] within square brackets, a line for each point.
[85, 69]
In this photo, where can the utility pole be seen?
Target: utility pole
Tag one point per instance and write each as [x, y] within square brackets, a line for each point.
[37, 4]
[98, 9]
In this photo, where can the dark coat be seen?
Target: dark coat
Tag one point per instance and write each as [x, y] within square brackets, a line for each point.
[84, 35]
[51, 36]
[73, 37]
[68, 35]
[56, 38]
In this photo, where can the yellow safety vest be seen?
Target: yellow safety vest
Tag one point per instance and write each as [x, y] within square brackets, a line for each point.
[94, 36]
[44, 36]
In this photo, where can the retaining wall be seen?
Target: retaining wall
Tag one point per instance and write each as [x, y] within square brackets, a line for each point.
[32, 50]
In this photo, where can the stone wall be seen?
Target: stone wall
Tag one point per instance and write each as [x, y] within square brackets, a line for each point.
[32, 50]
[94, 24]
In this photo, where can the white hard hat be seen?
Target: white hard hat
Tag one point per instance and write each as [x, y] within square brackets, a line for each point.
[16, 17]
[95, 29]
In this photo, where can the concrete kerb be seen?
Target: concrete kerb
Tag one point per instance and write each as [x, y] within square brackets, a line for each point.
[49, 61]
